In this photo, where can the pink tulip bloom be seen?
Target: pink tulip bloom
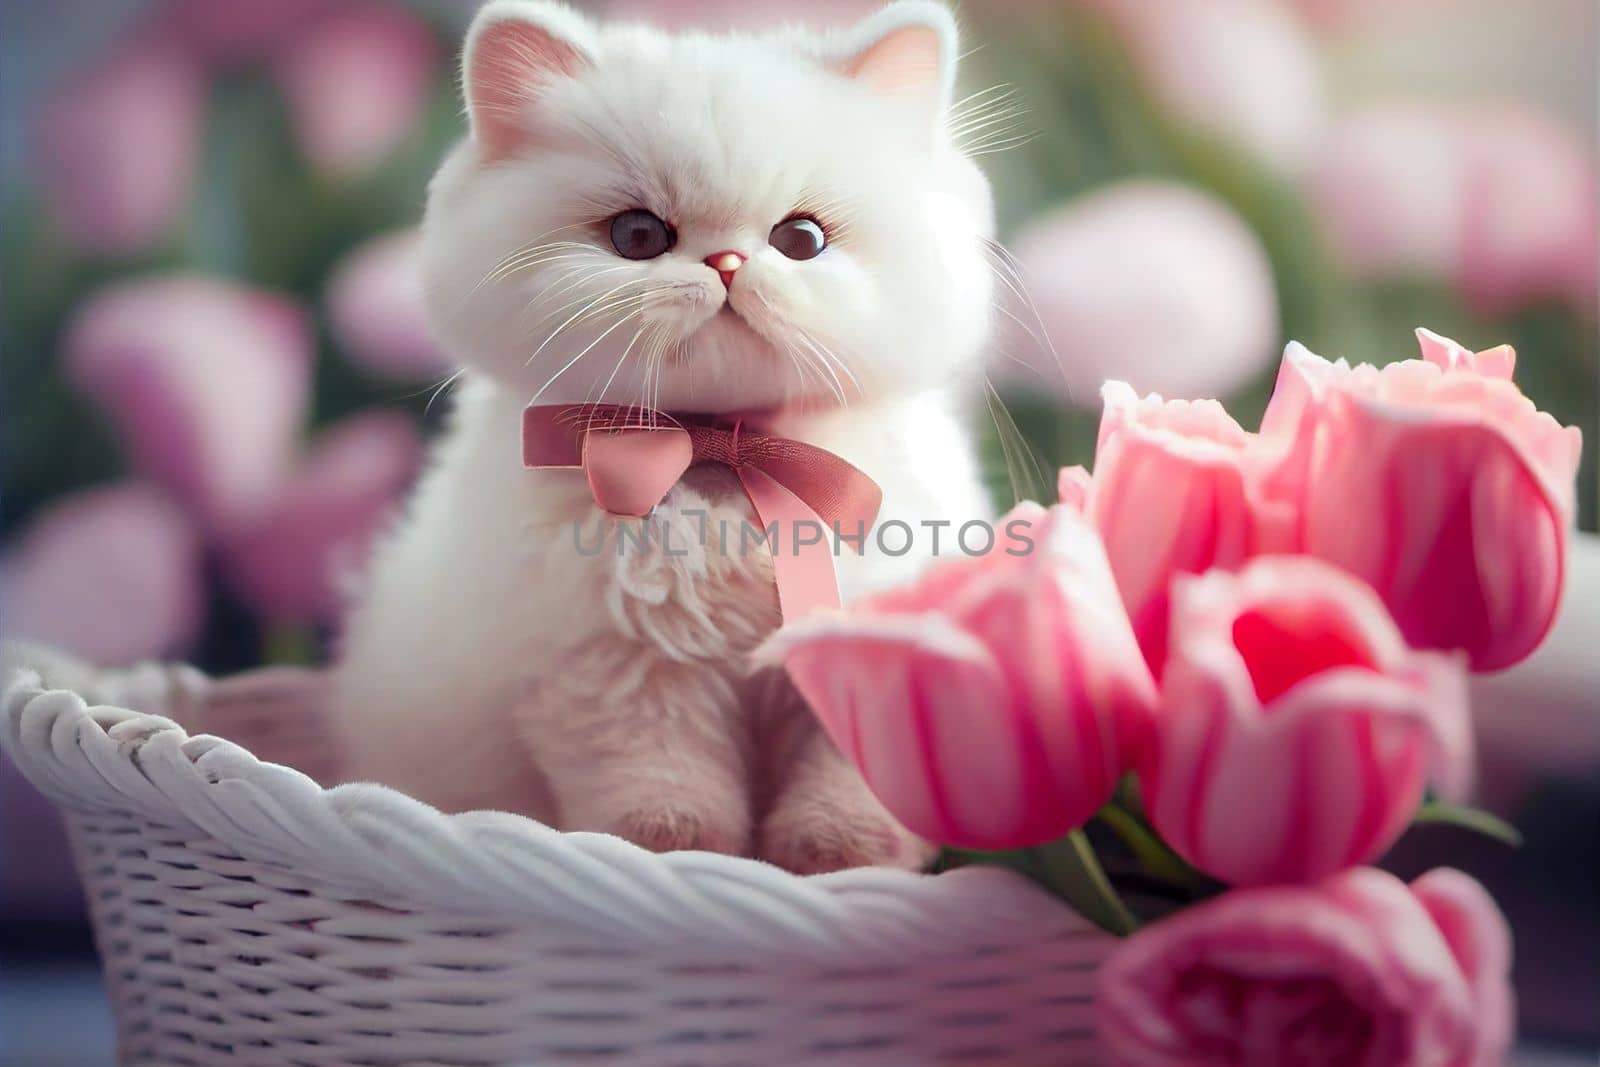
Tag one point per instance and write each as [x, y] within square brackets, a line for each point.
[1531, 229]
[1174, 492]
[118, 147]
[1358, 971]
[207, 382]
[996, 702]
[295, 562]
[1437, 482]
[114, 575]
[1244, 71]
[1153, 283]
[1296, 728]
[376, 306]
[1497, 199]
[356, 83]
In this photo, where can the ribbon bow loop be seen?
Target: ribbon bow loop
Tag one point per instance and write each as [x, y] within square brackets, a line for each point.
[632, 457]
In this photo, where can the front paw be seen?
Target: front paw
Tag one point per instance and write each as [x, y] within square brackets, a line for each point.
[673, 827]
[818, 835]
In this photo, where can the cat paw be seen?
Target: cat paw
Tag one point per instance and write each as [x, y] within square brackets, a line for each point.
[673, 828]
[817, 839]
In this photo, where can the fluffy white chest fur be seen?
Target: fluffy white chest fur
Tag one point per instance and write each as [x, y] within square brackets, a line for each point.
[495, 607]
[694, 223]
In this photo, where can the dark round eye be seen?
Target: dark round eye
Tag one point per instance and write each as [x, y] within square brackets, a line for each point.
[799, 238]
[637, 234]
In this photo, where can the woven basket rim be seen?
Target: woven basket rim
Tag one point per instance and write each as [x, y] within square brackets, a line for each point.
[375, 842]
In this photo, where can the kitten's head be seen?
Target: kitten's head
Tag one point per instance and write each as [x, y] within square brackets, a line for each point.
[709, 223]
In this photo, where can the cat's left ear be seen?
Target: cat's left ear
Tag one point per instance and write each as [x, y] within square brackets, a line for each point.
[906, 50]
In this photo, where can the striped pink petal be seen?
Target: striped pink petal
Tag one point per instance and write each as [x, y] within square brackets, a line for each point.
[1296, 730]
[993, 704]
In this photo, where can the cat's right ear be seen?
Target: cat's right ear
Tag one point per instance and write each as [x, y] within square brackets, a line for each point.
[515, 49]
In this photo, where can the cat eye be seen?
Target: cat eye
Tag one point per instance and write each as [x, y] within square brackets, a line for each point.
[799, 238]
[638, 234]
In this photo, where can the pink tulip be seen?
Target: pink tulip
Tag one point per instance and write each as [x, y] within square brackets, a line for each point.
[996, 702]
[206, 380]
[741, 14]
[118, 147]
[1531, 230]
[1359, 971]
[1437, 482]
[1296, 728]
[1496, 198]
[1389, 190]
[375, 302]
[233, 31]
[112, 574]
[1149, 282]
[1173, 493]
[296, 561]
[356, 83]
[1342, 14]
[1244, 71]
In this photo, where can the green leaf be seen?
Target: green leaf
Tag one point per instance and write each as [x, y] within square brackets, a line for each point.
[1071, 870]
[1151, 853]
[1474, 819]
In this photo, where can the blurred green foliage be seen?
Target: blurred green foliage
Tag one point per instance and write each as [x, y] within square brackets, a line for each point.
[261, 215]
[1097, 124]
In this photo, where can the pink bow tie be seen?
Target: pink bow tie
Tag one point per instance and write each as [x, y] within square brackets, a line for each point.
[633, 456]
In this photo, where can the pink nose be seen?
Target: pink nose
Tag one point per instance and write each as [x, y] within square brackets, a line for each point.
[726, 264]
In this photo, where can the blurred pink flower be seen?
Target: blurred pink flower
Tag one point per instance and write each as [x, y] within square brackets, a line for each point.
[296, 561]
[1496, 198]
[113, 574]
[1359, 970]
[1339, 14]
[1296, 728]
[996, 702]
[1174, 492]
[1246, 71]
[375, 303]
[207, 381]
[231, 31]
[1388, 187]
[1531, 228]
[356, 83]
[118, 147]
[741, 14]
[1149, 282]
[1439, 483]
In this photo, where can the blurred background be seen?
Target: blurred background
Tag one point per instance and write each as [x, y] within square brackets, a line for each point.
[217, 380]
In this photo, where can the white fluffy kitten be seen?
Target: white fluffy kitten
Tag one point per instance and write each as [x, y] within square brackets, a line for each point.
[491, 664]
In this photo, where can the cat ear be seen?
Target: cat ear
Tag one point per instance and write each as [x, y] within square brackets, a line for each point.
[908, 49]
[515, 48]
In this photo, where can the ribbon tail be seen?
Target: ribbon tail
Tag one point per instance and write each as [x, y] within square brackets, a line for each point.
[807, 581]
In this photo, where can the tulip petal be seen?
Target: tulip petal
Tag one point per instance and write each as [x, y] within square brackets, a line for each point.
[1296, 729]
[112, 574]
[911, 701]
[207, 382]
[119, 143]
[355, 83]
[1151, 282]
[1480, 938]
[297, 560]
[375, 302]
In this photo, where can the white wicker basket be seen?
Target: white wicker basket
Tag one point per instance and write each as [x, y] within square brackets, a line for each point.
[247, 916]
